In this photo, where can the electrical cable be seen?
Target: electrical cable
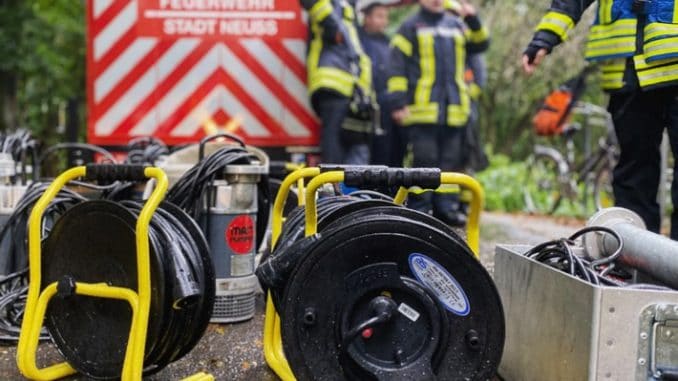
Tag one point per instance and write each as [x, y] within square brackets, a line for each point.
[370, 195]
[191, 191]
[14, 285]
[560, 254]
[107, 156]
[192, 281]
[146, 150]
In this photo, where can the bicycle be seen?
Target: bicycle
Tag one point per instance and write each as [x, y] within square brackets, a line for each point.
[553, 177]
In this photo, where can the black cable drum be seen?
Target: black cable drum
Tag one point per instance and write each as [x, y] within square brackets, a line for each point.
[383, 293]
[94, 242]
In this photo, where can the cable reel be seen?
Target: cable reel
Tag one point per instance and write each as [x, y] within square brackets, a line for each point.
[376, 291]
[131, 284]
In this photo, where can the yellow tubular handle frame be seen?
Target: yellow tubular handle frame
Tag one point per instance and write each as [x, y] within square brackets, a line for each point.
[140, 300]
[446, 178]
[291, 167]
[476, 206]
[273, 350]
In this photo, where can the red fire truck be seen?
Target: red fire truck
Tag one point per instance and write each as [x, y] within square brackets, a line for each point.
[180, 69]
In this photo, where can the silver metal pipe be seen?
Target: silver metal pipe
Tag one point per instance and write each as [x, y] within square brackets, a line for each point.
[650, 253]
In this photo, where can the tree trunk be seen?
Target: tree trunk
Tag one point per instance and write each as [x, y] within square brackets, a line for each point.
[8, 100]
[72, 124]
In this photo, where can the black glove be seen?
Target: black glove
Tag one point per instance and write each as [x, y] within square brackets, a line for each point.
[543, 39]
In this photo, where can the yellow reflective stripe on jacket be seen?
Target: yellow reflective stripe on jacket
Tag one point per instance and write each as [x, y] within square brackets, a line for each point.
[397, 84]
[331, 78]
[457, 115]
[320, 10]
[313, 57]
[427, 66]
[365, 64]
[477, 36]
[348, 13]
[614, 65]
[659, 75]
[617, 39]
[365, 80]
[613, 74]
[612, 81]
[655, 49]
[657, 72]
[422, 114]
[452, 5]
[402, 44]
[605, 11]
[474, 91]
[620, 46]
[656, 29]
[620, 28]
[557, 23]
[642, 64]
[325, 77]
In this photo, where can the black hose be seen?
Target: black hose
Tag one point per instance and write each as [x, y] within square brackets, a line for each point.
[560, 254]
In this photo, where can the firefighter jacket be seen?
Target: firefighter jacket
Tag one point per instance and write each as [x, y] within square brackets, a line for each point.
[335, 64]
[377, 47]
[428, 61]
[636, 41]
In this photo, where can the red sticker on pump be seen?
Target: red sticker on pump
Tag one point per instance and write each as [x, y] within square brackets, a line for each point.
[240, 234]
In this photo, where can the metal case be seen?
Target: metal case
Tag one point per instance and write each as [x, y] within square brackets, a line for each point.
[559, 327]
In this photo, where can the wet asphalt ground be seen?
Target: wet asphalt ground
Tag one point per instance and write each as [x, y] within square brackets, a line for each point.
[234, 352]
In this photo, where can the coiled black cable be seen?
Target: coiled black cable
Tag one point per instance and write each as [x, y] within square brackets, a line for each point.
[191, 191]
[146, 150]
[560, 254]
[92, 333]
[192, 285]
[13, 293]
[14, 260]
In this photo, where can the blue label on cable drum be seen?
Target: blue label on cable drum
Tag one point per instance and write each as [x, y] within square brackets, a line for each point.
[436, 278]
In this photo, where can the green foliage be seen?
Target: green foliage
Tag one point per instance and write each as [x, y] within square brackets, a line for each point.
[505, 182]
[503, 185]
[42, 43]
[511, 97]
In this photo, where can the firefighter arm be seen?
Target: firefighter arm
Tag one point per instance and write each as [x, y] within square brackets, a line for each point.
[322, 13]
[562, 17]
[401, 51]
[553, 30]
[478, 66]
[477, 36]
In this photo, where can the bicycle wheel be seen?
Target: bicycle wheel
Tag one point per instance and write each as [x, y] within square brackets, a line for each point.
[603, 195]
[542, 188]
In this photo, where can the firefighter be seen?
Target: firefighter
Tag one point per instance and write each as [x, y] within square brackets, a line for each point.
[339, 81]
[635, 43]
[388, 145]
[475, 76]
[428, 93]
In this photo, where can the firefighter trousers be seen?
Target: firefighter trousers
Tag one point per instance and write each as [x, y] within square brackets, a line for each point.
[437, 146]
[333, 109]
[640, 118]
